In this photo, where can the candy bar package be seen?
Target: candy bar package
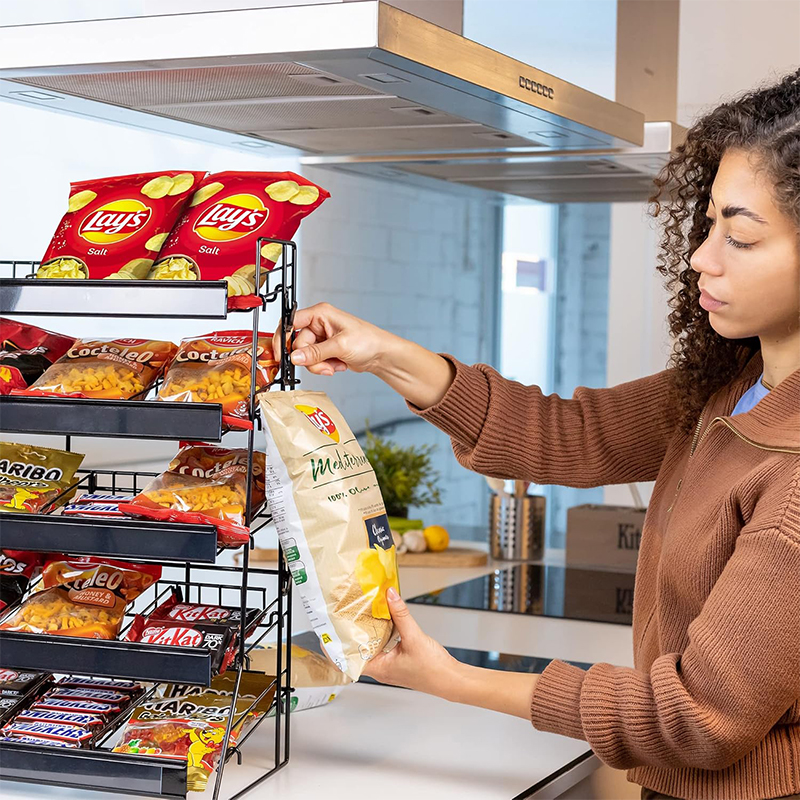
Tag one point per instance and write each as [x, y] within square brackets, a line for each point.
[26, 352]
[32, 477]
[115, 227]
[216, 237]
[332, 525]
[204, 485]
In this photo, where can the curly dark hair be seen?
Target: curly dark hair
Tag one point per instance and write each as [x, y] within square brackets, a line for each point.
[766, 123]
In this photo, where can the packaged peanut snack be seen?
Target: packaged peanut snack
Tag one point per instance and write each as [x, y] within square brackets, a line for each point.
[115, 227]
[84, 597]
[215, 238]
[332, 525]
[216, 368]
[111, 369]
[204, 485]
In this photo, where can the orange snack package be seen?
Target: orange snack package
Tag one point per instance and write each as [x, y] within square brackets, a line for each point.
[215, 368]
[84, 597]
[111, 369]
[204, 485]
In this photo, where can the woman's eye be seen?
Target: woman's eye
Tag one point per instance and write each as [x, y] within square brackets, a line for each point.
[738, 245]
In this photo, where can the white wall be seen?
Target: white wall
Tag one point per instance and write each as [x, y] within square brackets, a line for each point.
[726, 47]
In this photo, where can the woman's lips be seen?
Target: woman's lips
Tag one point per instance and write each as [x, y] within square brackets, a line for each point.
[709, 303]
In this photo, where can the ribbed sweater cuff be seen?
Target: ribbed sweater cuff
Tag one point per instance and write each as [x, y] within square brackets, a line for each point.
[556, 703]
[462, 411]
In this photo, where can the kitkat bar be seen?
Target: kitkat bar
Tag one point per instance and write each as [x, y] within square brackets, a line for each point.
[20, 682]
[115, 227]
[216, 237]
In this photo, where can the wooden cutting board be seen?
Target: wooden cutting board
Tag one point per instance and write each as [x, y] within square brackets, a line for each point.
[452, 557]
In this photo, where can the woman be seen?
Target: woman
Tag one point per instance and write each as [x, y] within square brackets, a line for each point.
[712, 707]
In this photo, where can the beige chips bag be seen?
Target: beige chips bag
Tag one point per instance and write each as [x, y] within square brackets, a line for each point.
[331, 523]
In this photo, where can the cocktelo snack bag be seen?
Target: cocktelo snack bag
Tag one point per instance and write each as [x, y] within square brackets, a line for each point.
[216, 237]
[26, 352]
[111, 369]
[114, 227]
[331, 523]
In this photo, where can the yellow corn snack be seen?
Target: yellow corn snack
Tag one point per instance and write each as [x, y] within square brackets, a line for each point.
[118, 369]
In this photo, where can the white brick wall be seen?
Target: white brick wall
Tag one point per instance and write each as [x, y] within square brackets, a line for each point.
[422, 264]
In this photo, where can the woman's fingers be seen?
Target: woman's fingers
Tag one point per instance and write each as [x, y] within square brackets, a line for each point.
[315, 353]
[406, 624]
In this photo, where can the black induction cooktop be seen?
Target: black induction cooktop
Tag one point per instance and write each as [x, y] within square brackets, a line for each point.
[542, 590]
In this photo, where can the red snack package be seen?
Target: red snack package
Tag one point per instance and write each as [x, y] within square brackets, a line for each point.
[216, 237]
[204, 485]
[215, 368]
[26, 352]
[115, 227]
[83, 597]
[16, 570]
[110, 369]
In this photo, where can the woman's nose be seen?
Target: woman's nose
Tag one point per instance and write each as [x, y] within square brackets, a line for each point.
[706, 257]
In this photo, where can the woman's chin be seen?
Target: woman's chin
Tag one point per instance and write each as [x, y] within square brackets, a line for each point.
[728, 328]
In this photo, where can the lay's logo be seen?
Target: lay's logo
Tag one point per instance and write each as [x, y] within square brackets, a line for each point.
[320, 420]
[115, 221]
[231, 218]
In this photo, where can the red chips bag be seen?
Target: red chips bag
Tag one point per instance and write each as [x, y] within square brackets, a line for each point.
[114, 227]
[215, 368]
[111, 369]
[216, 236]
[26, 352]
[16, 570]
[204, 485]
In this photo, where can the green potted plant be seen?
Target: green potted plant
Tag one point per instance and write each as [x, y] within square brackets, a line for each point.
[405, 476]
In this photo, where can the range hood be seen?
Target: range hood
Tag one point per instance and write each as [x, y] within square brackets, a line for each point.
[334, 79]
[558, 176]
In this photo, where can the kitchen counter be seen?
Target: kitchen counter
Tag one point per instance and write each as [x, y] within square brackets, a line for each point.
[401, 744]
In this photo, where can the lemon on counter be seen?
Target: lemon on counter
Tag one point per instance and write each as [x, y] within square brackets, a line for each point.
[437, 538]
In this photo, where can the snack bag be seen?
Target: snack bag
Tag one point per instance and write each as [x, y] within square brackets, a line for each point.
[216, 237]
[26, 352]
[83, 597]
[315, 680]
[215, 368]
[112, 369]
[204, 485]
[189, 723]
[17, 567]
[331, 523]
[31, 477]
[114, 227]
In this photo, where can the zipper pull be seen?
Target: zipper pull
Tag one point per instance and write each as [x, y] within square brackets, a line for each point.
[677, 490]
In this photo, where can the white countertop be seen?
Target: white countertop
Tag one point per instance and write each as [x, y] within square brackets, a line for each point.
[397, 744]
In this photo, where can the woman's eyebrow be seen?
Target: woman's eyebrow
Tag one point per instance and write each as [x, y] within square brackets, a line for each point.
[734, 211]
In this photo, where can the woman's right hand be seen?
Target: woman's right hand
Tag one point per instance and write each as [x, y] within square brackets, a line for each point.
[329, 340]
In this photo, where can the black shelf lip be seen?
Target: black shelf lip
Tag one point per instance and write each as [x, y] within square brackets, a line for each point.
[99, 770]
[124, 419]
[106, 658]
[113, 536]
[93, 298]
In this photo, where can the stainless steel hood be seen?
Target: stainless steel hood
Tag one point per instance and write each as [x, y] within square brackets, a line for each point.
[336, 79]
[558, 176]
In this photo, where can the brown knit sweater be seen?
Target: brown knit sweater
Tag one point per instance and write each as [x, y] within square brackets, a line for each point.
[711, 709]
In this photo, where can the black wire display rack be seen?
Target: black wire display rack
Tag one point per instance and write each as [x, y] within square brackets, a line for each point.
[188, 552]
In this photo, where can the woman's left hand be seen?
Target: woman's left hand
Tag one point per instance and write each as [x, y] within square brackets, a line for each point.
[417, 662]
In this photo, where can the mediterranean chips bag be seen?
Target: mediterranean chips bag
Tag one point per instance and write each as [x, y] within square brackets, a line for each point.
[216, 237]
[114, 227]
[332, 525]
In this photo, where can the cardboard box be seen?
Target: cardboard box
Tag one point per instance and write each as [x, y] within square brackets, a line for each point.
[606, 536]
[599, 595]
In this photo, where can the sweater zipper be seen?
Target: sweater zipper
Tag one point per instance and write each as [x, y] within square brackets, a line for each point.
[691, 453]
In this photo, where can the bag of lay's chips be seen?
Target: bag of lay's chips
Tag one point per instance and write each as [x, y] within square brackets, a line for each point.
[332, 525]
[31, 477]
[111, 369]
[216, 237]
[215, 368]
[114, 227]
